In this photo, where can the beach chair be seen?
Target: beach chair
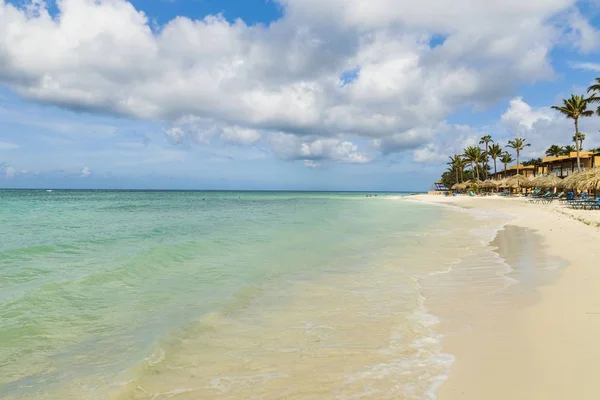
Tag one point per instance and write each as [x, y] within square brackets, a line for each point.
[471, 194]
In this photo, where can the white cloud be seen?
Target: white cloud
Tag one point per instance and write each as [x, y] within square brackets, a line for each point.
[543, 127]
[86, 172]
[291, 147]
[586, 66]
[311, 164]
[582, 34]
[521, 115]
[236, 134]
[8, 146]
[210, 77]
[429, 154]
[10, 172]
[176, 135]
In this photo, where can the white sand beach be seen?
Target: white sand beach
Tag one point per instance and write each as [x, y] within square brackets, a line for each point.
[547, 349]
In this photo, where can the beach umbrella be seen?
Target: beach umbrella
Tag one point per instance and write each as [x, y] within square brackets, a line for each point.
[489, 184]
[501, 183]
[517, 181]
[538, 181]
[588, 180]
[548, 181]
[570, 182]
[456, 186]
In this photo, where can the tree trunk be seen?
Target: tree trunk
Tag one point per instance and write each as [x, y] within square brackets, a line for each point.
[477, 170]
[495, 171]
[577, 145]
[518, 153]
[456, 171]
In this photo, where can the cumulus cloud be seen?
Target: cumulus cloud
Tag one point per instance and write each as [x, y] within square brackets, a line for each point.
[239, 135]
[291, 147]
[7, 171]
[543, 127]
[212, 77]
[86, 172]
[521, 115]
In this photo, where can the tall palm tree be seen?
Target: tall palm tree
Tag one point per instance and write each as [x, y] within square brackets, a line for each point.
[568, 149]
[554, 151]
[486, 140]
[506, 159]
[574, 108]
[495, 151]
[518, 144]
[474, 155]
[578, 139]
[595, 96]
[457, 164]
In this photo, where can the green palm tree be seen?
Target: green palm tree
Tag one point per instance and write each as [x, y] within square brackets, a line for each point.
[474, 155]
[518, 144]
[595, 94]
[486, 140]
[495, 151]
[554, 151]
[568, 149]
[457, 164]
[578, 139]
[574, 108]
[506, 159]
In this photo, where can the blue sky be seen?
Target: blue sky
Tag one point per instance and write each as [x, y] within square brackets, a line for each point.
[288, 94]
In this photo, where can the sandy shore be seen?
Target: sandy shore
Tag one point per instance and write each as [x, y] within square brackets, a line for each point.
[547, 350]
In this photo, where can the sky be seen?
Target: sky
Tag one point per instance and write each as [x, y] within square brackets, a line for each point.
[281, 94]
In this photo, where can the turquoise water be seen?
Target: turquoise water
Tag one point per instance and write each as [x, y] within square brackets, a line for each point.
[92, 283]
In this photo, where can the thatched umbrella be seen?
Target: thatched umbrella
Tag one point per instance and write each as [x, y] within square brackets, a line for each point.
[489, 185]
[501, 183]
[538, 181]
[588, 180]
[570, 182]
[517, 181]
[548, 181]
[456, 186]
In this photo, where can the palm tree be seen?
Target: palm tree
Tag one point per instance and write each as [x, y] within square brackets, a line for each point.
[486, 140]
[474, 155]
[554, 151]
[568, 149]
[495, 151]
[595, 96]
[578, 139]
[457, 164]
[574, 108]
[506, 159]
[518, 144]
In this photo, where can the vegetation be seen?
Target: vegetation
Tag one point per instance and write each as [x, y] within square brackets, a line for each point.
[518, 144]
[494, 152]
[575, 108]
[506, 159]
[473, 163]
[555, 151]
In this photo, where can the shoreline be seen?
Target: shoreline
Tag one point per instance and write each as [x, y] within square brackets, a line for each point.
[543, 349]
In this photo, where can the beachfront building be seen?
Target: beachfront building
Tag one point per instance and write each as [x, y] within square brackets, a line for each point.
[561, 166]
[525, 170]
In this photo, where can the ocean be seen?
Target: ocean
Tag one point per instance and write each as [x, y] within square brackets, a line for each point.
[237, 295]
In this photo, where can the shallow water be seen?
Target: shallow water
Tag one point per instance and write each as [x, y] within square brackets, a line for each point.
[224, 295]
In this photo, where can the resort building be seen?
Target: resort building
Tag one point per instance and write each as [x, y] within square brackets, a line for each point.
[561, 166]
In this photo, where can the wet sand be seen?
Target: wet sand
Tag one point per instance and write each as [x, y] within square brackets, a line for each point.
[545, 348]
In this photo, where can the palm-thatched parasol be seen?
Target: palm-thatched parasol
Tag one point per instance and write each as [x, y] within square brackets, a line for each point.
[456, 186]
[570, 182]
[489, 184]
[588, 180]
[517, 181]
[538, 181]
[548, 181]
[501, 183]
